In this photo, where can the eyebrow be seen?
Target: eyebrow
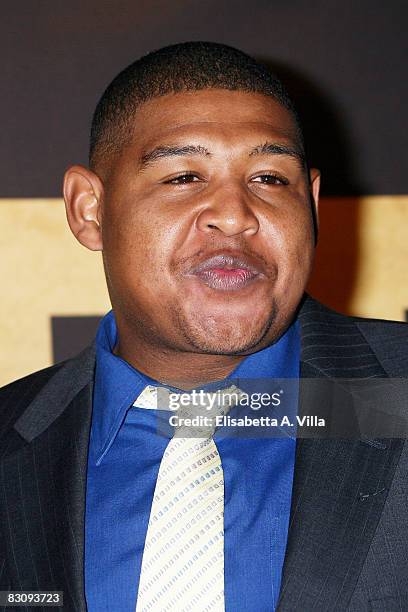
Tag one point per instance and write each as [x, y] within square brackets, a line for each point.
[268, 148]
[172, 151]
[272, 148]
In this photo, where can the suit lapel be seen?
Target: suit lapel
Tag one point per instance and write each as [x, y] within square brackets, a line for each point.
[43, 483]
[340, 484]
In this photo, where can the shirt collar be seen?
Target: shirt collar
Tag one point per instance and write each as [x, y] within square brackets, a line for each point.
[117, 383]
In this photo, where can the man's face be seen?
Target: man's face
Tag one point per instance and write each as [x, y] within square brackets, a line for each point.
[206, 223]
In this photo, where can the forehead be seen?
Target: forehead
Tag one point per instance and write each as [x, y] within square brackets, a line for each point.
[215, 114]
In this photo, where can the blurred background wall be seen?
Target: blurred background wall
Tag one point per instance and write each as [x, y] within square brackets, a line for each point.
[344, 63]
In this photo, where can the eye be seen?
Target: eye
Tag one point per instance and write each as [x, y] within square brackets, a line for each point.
[183, 179]
[270, 179]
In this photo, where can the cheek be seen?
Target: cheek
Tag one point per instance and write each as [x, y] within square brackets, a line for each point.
[124, 251]
[137, 251]
[295, 243]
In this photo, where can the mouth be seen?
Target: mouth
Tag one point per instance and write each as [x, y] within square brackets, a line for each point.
[227, 272]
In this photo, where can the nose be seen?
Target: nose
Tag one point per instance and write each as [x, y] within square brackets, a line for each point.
[228, 210]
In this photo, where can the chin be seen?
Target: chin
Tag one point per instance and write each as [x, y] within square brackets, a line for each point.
[228, 337]
[222, 348]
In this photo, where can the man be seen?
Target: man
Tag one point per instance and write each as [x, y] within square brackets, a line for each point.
[199, 196]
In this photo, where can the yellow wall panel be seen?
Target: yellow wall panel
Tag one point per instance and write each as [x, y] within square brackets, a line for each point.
[362, 256]
[44, 272]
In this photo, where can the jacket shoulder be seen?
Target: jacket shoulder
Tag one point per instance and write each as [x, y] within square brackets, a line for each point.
[44, 393]
[17, 395]
[321, 311]
[387, 339]
[389, 331]
[399, 327]
[33, 381]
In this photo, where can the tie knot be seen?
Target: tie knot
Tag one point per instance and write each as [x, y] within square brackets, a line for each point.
[197, 413]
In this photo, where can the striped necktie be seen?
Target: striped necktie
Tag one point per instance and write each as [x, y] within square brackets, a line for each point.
[183, 559]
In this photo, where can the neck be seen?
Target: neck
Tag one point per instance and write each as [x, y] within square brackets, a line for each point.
[184, 370]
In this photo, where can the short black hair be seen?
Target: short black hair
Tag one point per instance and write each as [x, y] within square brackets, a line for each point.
[189, 66]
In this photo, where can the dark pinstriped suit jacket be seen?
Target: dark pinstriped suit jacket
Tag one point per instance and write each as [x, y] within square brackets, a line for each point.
[348, 537]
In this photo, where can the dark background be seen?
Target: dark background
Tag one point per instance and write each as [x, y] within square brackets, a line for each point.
[344, 62]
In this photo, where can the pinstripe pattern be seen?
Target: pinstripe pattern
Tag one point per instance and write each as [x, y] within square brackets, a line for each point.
[334, 345]
[331, 528]
[346, 551]
[42, 489]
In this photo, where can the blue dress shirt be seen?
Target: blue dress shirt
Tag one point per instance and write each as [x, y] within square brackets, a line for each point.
[125, 451]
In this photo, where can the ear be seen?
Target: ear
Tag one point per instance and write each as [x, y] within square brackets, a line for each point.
[314, 177]
[83, 195]
[315, 187]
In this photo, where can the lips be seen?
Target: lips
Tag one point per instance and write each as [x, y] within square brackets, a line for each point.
[227, 272]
